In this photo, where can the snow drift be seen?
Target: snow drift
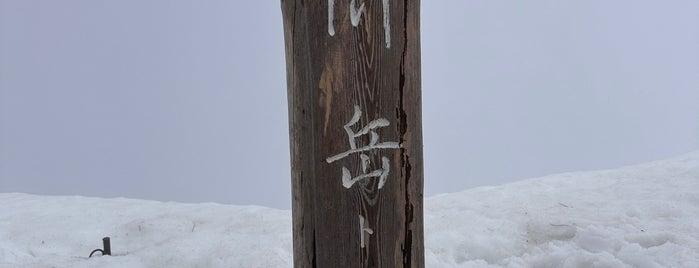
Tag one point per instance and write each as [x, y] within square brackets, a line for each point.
[639, 216]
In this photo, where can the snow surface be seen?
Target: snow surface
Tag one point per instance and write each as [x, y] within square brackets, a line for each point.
[639, 216]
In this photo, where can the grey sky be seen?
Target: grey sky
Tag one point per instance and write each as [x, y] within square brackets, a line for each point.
[186, 100]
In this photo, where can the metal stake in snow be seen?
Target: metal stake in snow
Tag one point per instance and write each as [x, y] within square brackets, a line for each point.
[107, 248]
[353, 84]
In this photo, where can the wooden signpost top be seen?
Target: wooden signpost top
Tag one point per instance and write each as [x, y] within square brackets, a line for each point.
[353, 79]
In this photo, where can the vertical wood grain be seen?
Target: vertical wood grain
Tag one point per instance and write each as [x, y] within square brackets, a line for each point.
[327, 76]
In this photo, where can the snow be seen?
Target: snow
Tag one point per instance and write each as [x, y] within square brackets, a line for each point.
[40, 231]
[638, 216]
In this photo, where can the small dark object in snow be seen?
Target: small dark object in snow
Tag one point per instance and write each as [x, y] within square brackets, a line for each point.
[107, 248]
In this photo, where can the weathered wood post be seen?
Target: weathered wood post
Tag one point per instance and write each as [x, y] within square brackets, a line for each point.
[353, 78]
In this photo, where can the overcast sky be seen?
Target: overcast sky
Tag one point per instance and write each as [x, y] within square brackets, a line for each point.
[186, 100]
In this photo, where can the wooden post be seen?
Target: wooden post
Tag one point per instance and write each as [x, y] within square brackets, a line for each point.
[353, 78]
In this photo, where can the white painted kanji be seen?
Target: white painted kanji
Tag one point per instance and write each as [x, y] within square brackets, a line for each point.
[382, 173]
[356, 16]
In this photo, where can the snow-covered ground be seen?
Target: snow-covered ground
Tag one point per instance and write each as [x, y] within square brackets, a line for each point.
[639, 216]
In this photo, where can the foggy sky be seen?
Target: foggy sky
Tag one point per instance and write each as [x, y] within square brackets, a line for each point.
[186, 100]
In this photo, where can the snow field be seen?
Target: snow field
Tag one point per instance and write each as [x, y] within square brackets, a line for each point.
[639, 216]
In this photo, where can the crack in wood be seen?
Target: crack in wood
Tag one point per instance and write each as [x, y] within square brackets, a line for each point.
[405, 160]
